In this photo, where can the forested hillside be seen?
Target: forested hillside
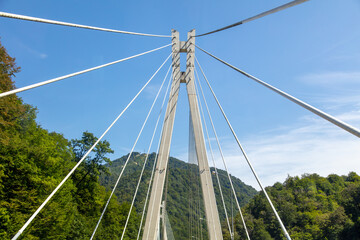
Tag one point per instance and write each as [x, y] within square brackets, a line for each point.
[311, 207]
[33, 161]
[182, 185]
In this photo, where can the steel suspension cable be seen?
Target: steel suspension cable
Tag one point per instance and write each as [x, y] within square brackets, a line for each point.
[274, 10]
[223, 159]
[155, 186]
[192, 159]
[328, 117]
[127, 160]
[197, 210]
[232, 218]
[245, 155]
[147, 194]
[82, 159]
[164, 203]
[155, 160]
[212, 155]
[147, 154]
[75, 74]
[206, 181]
[198, 206]
[42, 20]
[189, 199]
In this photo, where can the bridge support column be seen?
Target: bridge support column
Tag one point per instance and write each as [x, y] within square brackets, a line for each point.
[153, 212]
[211, 211]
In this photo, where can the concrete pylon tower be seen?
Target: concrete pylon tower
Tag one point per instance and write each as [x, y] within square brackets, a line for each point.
[211, 211]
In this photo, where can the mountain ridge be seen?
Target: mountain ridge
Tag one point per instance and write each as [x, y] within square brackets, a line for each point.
[182, 185]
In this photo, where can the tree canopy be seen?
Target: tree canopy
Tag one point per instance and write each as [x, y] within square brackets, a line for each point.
[33, 161]
[311, 207]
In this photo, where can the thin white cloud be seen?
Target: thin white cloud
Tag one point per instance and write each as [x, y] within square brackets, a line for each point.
[332, 78]
[152, 90]
[339, 101]
[37, 54]
[32, 51]
[314, 147]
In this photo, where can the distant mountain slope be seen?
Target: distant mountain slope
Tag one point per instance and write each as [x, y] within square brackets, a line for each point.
[182, 185]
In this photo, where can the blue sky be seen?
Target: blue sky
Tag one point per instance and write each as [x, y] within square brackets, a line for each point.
[311, 51]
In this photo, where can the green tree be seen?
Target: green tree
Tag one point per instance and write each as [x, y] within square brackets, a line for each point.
[94, 164]
[87, 174]
[32, 162]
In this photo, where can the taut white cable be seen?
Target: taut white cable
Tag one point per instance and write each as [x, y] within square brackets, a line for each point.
[155, 160]
[155, 185]
[312, 109]
[127, 160]
[224, 162]
[82, 159]
[212, 154]
[147, 154]
[74, 74]
[274, 10]
[42, 20]
[246, 157]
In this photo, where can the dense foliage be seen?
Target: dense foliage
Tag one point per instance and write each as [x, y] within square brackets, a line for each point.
[33, 161]
[182, 184]
[311, 207]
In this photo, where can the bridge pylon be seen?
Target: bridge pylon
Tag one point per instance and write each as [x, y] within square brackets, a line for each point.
[211, 211]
